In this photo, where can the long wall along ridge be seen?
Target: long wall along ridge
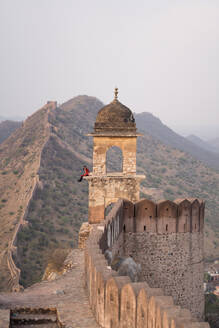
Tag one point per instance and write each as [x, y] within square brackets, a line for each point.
[166, 238]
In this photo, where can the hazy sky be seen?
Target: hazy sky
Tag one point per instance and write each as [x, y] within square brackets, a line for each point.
[163, 55]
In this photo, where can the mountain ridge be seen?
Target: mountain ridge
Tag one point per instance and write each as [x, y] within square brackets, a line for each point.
[152, 125]
[18, 171]
[207, 145]
[59, 203]
[214, 143]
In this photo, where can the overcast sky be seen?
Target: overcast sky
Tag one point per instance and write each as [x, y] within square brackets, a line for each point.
[163, 55]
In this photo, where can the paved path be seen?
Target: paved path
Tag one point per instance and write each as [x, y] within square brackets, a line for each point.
[65, 293]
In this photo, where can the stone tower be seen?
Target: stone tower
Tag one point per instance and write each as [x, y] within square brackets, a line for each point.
[114, 126]
[166, 238]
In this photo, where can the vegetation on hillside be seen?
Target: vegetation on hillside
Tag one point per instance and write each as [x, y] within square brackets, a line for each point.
[60, 203]
[179, 175]
[154, 127]
[55, 214]
[212, 310]
[19, 163]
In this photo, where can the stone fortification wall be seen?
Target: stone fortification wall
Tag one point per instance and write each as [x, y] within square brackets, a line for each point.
[108, 189]
[173, 262]
[167, 240]
[115, 301]
[31, 186]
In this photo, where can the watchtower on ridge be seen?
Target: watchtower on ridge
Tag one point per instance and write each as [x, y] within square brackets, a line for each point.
[114, 126]
[165, 238]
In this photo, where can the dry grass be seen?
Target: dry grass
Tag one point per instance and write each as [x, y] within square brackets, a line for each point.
[20, 158]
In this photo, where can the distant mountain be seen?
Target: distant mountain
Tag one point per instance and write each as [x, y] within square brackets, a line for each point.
[153, 126]
[205, 132]
[6, 129]
[12, 118]
[201, 143]
[214, 143]
[41, 199]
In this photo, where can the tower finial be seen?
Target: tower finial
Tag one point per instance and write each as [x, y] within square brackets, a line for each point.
[116, 94]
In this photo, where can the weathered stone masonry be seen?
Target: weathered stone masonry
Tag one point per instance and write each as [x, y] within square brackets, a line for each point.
[114, 126]
[167, 239]
[108, 189]
[116, 301]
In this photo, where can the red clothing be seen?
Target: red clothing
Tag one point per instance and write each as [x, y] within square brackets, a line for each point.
[86, 172]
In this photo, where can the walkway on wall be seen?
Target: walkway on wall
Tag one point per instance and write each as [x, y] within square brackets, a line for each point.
[66, 294]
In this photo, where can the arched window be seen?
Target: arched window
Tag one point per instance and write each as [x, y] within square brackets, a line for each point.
[114, 160]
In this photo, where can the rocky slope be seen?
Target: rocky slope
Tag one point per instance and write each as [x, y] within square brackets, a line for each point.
[60, 205]
[40, 165]
[20, 157]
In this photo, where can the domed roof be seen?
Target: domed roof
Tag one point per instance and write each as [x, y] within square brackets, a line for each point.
[115, 117]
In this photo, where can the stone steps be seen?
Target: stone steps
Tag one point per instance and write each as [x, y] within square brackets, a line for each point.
[36, 318]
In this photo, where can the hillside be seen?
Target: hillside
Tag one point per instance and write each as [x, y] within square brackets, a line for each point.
[20, 157]
[154, 127]
[6, 129]
[214, 143]
[200, 143]
[61, 205]
[40, 165]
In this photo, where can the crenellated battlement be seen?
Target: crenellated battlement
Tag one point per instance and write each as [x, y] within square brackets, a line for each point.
[165, 216]
[164, 239]
[115, 300]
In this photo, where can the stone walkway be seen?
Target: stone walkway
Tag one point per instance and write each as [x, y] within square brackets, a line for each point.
[66, 294]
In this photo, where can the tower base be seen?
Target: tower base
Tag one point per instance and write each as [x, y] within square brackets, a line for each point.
[107, 189]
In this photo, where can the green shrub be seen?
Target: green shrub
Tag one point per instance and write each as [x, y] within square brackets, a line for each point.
[4, 172]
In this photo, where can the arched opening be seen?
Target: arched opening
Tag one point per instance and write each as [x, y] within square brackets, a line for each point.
[114, 160]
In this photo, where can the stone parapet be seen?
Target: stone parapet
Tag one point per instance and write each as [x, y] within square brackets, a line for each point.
[84, 234]
[116, 301]
[167, 217]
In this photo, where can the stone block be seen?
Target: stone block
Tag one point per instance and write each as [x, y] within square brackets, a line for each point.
[84, 234]
[112, 300]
